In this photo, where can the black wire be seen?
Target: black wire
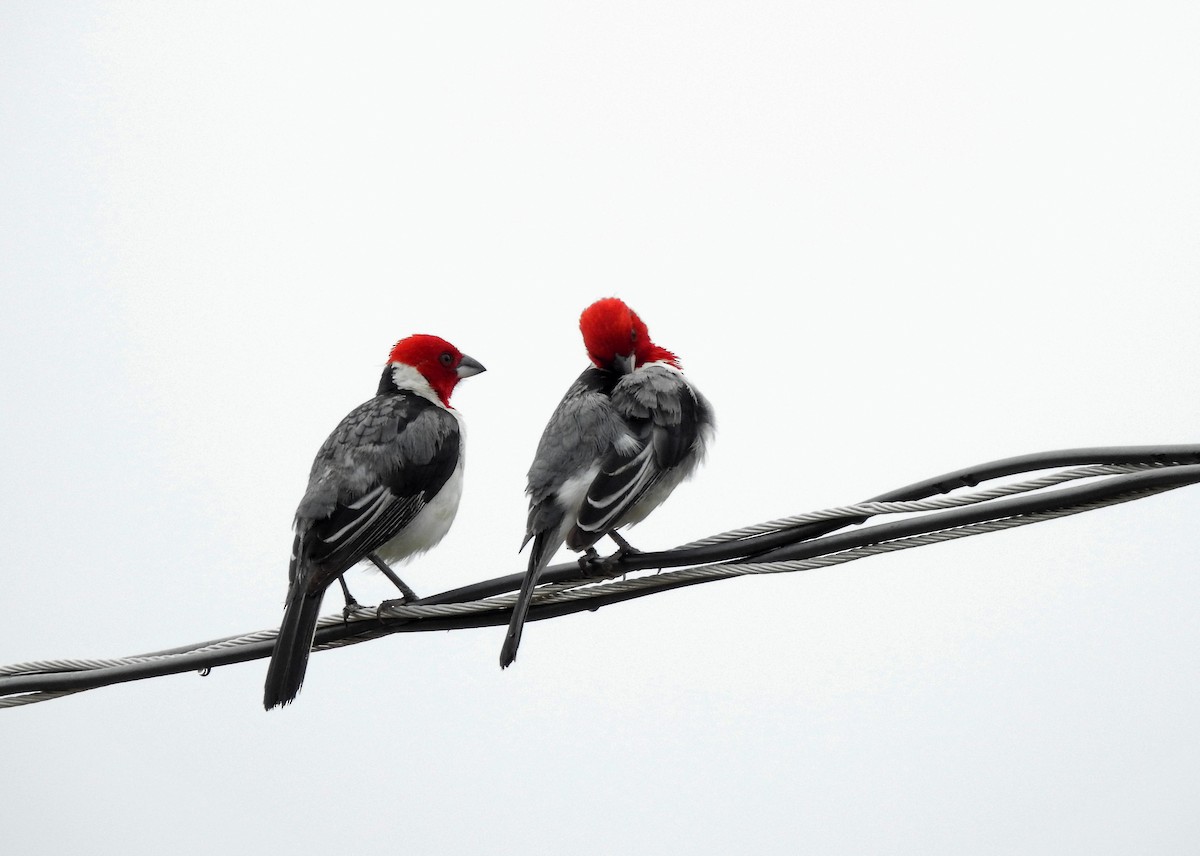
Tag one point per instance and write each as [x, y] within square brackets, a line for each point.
[1180, 466]
[761, 544]
[1131, 485]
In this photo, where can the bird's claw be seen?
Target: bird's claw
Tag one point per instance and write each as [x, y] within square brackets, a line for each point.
[590, 563]
[393, 603]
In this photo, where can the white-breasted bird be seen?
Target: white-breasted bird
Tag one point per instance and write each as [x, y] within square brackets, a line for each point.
[384, 486]
[628, 431]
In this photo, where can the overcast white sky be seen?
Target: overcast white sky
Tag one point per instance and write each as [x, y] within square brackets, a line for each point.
[887, 240]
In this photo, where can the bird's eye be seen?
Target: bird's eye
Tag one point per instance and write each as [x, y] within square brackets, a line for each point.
[446, 359]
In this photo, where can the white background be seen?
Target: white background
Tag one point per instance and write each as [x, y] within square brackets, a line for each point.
[887, 240]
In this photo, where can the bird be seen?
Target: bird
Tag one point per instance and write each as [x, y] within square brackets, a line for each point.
[628, 431]
[384, 487]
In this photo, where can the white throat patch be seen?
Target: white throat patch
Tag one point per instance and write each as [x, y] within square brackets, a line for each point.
[406, 377]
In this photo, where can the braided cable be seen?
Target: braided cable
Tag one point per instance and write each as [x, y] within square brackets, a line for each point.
[1120, 476]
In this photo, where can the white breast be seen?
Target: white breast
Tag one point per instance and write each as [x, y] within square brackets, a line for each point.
[433, 521]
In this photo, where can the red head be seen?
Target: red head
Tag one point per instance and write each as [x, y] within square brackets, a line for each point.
[617, 339]
[439, 362]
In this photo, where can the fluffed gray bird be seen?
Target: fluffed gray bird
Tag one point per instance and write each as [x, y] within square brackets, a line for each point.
[384, 486]
[628, 431]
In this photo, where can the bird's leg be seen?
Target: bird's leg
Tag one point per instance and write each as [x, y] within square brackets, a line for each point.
[624, 548]
[408, 594]
[351, 603]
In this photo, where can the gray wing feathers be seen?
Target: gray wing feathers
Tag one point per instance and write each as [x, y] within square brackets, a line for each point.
[582, 428]
[660, 394]
[369, 444]
[580, 432]
[373, 475]
[671, 422]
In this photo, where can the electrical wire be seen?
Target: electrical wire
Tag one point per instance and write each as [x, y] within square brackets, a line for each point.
[1112, 475]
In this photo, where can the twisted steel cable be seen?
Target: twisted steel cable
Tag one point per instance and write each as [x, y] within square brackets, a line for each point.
[801, 542]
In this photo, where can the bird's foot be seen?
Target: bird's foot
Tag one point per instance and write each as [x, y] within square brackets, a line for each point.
[352, 606]
[394, 603]
[590, 563]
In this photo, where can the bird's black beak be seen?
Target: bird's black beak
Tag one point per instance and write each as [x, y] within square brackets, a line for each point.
[625, 363]
[468, 366]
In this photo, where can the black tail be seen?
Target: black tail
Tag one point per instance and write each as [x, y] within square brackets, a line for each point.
[544, 547]
[289, 660]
